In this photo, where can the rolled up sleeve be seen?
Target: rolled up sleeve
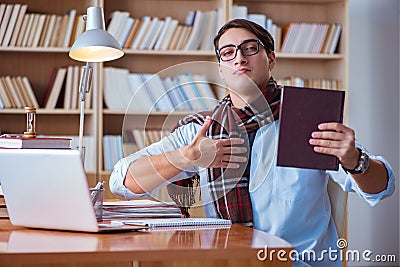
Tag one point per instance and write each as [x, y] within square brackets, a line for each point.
[347, 182]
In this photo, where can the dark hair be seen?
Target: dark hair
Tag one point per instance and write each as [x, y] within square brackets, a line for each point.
[262, 34]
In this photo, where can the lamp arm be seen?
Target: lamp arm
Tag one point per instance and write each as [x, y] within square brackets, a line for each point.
[84, 87]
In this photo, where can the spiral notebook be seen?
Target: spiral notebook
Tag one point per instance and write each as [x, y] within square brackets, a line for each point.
[175, 222]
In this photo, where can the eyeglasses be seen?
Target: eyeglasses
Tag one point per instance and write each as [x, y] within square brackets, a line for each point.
[248, 48]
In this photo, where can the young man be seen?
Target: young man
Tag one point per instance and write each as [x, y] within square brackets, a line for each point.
[231, 151]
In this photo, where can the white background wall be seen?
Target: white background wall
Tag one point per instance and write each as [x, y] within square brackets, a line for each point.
[374, 114]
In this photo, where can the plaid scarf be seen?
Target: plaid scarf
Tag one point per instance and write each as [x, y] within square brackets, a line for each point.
[228, 188]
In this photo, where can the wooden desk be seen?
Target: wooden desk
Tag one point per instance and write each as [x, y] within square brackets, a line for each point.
[236, 246]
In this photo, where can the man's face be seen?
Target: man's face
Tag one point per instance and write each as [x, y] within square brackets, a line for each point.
[237, 72]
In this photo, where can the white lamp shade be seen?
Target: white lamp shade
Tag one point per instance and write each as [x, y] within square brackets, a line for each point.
[96, 45]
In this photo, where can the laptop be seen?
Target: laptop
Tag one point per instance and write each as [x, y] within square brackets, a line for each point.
[48, 188]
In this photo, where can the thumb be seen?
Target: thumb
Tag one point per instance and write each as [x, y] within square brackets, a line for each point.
[205, 127]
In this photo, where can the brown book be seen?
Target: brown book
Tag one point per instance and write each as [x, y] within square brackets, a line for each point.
[133, 33]
[175, 37]
[302, 109]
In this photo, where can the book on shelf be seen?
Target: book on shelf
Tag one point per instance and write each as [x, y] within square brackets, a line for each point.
[38, 30]
[169, 35]
[6, 94]
[112, 150]
[33, 28]
[68, 87]
[125, 30]
[62, 30]
[335, 39]
[162, 33]
[19, 87]
[18, 24]
[54, 88]
[302, 110]
[28, 31]
[78, 29]
[175, 37]
[157, 31]
[132, 33]
[44, 30]
[12, 92]
[4, 21]
[176, 222]
[66, 38]
[37, 142]
[11, 25]
[22, 30]
[146, 20]
[50, 30]
[28, 88]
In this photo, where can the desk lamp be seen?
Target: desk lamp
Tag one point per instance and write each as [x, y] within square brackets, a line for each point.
[92, 46]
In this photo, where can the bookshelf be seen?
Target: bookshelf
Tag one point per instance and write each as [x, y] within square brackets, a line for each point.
[101, 121]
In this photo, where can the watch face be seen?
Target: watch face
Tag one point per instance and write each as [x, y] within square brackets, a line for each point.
[363, 164]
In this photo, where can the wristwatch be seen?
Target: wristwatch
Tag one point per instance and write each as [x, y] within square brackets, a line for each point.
[363, 164]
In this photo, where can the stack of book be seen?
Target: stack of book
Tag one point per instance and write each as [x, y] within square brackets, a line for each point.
[140, 208]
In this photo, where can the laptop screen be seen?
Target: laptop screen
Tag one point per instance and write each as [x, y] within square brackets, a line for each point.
[46, 188]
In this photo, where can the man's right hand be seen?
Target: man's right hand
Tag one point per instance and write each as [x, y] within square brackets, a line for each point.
[214, 153]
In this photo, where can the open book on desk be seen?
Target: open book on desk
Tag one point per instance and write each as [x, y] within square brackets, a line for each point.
[177, 222]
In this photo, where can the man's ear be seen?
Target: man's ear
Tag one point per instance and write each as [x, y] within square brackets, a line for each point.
[271, 60]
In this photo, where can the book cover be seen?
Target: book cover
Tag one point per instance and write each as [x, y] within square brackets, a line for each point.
[38, 142]
[302, 109]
